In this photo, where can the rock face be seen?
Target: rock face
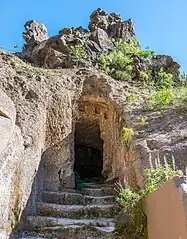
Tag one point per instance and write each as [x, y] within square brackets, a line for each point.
[112, 24]
[165, 62]
[34, 34]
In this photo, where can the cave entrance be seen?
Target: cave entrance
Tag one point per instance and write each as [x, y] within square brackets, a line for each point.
[88, 150]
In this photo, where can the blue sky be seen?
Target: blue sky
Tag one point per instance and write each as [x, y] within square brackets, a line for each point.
[159, 24]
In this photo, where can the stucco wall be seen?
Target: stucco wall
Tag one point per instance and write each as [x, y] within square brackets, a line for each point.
[165, 211]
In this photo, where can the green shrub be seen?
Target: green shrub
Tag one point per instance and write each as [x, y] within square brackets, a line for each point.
[164, 79]
[79, 52]
[119, 62]
[136, 225]
[127, 135]
[144, 75]
[183, 78]
[165, 97]
[181, 94]
[157, 177]
[161, 99]
[142, 120]
[132, 203]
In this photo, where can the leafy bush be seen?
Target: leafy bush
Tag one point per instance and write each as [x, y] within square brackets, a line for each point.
[181, 94]
[161, 99]
[127, 135]
[132, 203]
[164, 79]
[79, 52]
[119, 62]
[165, 97]
[142, 120]
[157, 177]
[136, 225]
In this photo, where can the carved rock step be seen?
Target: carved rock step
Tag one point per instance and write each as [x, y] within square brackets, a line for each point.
[97, 185]
[65, 198]
[98, 192]
[33, 222]
[31, 237]
[76, 211]
[72, 231]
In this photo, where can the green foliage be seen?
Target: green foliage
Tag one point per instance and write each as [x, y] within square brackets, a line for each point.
[157, 177]
[79, 53]
[120, 61]
[142, 120]
[135, 227]
[128, 200]
[127, 135]
[132, 203]
[167, 96]
[181, 94]
[164, 80]
[144, 75]
[161, 99]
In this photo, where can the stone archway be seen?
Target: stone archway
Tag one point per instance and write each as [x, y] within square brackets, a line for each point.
[98, 130]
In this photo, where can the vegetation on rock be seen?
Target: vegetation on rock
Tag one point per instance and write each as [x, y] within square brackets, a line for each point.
[120, 62]
[127, 135]
[132, 203]
[79, 53]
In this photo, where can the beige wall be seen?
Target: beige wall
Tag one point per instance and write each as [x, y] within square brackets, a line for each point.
[166, 218]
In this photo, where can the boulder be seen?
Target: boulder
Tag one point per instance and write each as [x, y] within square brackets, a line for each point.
[101, 38]
[112, 24]
[35, 32]
[165, 62]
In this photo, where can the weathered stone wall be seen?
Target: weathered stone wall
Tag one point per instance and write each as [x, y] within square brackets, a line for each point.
[11, 158]
[46, 103]
[41, 146]
[162, 139]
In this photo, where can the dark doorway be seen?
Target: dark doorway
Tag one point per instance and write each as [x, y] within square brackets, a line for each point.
[88, 150]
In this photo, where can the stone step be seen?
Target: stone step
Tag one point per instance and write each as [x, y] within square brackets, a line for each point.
[76, 211]
[31, 237]
[97, 185]
[99, 192]
[104, 200]
[34, 222]
[75, 198]
[73, 232]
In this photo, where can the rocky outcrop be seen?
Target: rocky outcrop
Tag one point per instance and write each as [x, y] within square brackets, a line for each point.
[112, 24]
[55, 52]
[33, 35]
[165, 62]
[80, 47]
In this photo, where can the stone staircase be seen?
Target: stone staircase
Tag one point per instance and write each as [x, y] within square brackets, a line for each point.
[86, 215]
